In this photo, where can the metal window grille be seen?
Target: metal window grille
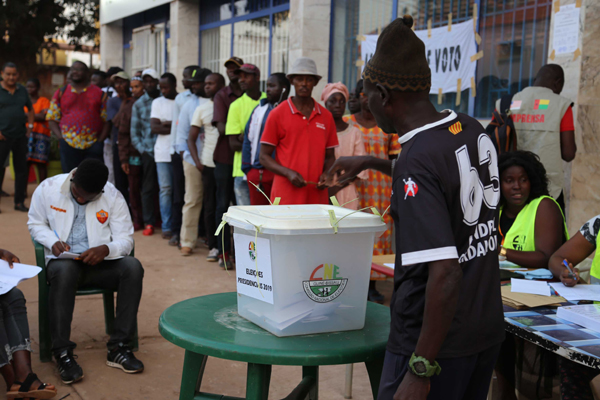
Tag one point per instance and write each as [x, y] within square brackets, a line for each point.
[148, 48]
[280, 42]
[251, 43]
[255, 30]
[216, 48]
[514, 41]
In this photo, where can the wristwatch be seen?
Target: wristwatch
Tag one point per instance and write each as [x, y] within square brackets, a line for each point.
[421, 367]
[502, 255]
[30, 126]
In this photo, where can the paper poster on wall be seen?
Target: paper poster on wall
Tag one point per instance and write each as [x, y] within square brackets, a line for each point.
[448, 54]
[253, 267]
[565, 37]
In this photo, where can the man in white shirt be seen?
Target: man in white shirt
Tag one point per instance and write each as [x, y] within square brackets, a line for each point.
[196, 167]
[176, 157]
[161, 118]
[80, 212]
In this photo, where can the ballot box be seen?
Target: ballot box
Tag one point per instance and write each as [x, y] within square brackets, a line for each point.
[303, 269]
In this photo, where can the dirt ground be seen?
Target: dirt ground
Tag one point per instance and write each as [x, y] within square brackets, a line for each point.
[169, 278]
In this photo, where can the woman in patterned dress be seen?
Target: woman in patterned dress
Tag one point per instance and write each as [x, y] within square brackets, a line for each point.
[39, 141]
[376, 190]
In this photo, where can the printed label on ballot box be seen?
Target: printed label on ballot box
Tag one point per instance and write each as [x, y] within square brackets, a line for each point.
[253, 267]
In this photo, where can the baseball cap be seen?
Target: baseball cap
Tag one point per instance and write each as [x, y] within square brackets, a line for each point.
[249, 69]
[151, 72]
[113, 70]
[236, 60]
[199, 74]
[122, 75]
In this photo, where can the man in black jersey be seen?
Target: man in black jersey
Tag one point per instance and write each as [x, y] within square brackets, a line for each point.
[447, 320]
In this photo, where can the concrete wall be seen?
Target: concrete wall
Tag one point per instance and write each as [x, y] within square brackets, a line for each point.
[572, 68]
[111, 45]
[309, 36]
[185, 36]
[585, 176]
[582, 175]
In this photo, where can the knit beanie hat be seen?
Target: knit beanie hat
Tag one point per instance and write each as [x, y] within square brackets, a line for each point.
[399, 62]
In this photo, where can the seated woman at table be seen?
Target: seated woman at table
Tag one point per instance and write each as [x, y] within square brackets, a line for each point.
[575, 378]
[532, 226]
[574, 251]
[15, 346]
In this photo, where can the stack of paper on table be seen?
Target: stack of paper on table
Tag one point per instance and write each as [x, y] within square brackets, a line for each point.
[577, 292]
[11, 277]
[529, 286]
[525, 300]
[510, 266]
[585, 315]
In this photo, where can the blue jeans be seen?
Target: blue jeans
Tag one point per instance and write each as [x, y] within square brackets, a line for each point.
[165, 199]
[242, 193]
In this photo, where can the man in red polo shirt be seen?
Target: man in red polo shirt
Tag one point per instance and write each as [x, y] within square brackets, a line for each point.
[304, 136]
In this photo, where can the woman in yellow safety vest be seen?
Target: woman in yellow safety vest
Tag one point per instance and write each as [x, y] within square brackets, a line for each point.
[577, 249]
[575, 378]
[532, 226]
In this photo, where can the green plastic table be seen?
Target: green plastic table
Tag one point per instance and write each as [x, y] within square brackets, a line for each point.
[210, 326]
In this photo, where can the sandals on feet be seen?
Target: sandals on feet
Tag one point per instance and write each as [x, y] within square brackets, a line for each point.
[42, 392]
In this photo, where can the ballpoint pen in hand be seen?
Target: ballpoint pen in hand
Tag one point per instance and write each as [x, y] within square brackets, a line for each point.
[63, 243]
[571, 273]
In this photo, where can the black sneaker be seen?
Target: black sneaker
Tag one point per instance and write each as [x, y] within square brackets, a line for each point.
[174, 241]
[122, 357]
[68, 368]
[21, 207]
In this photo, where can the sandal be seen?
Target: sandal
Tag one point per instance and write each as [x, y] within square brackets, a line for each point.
[23, 392]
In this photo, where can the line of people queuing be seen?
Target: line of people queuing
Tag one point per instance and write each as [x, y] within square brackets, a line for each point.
[215, 144]
[207, 147]
[177, 157]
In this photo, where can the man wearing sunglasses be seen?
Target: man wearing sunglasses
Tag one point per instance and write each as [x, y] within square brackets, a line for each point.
[81, 213]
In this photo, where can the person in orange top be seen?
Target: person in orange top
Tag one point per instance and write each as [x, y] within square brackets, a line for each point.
[39, 141]
[376, 190]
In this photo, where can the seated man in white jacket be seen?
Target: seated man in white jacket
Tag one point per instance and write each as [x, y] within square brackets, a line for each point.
[81, 213]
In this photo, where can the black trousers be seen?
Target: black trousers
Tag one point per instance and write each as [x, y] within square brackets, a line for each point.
[71, 157]
[121, 179]
[224, 184]
[463, 378]
[209, 207]
[178, 193]
[149, 189]
[124, 276]
[18, 146]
